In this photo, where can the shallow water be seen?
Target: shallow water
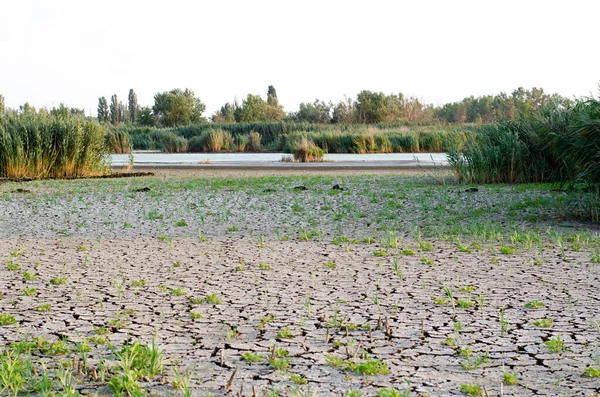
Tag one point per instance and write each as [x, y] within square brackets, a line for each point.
[143, 158]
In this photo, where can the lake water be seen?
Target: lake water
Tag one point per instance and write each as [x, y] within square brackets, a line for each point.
[153, 158]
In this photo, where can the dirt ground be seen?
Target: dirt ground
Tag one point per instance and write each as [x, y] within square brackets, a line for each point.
[431, 318]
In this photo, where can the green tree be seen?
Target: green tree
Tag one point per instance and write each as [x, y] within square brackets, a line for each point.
[103, 113]
[225, 115]
[344, 112]
[255, 109]
[114, 109]
[122, 112]
[133, 106]
[177, 107]
[1, 103]
[316, 112]
[272, 97]
[145, 117]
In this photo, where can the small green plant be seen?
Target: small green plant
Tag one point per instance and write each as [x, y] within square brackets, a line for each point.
[534, 304]
[506, 250]
[13, 266]
[212, 299]
[181, 223]
[27, 276]
[440, 301]
[285, 333]
[195, 315]
[503, 322]
[264, 266]
[252, 358]
[467, 288]
[408, 252]
[182, 383]
[177, 264]
[43, 308]
[29, 292]
[58, 280]
[464, 248]
[427, 261]
[591, 372]
[353, 393]
[240, 268]
[372, 368]
[331, 265]
[266, 320]
[127, 225]
[392, 392]
[471, 390]
[6, 319]
[177, 291]
[380, 253]
[555, 345]
[465, 304]
[280, 364]
[139, 283]
[544, 323]
[510, 378]
[299, 379]
[233, 228]
[425, 246]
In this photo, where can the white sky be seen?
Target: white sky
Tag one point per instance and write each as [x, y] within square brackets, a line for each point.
[440, 51]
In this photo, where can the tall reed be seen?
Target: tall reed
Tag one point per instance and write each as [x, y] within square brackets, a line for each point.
[44, 145]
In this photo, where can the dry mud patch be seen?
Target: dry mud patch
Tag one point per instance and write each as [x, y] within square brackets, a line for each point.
[360, 309]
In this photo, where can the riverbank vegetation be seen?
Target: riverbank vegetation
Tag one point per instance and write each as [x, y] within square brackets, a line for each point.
[560, 144]
[55, 144]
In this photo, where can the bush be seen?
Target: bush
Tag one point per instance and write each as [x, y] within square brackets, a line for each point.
[305, 151]
[43, 145]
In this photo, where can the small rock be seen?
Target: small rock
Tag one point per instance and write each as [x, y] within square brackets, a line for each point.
[471, 189]
[337, 187]
[143, 189]
[19, 190]
[301, 187]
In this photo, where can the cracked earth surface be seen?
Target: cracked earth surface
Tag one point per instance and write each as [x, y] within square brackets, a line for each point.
[340, 303]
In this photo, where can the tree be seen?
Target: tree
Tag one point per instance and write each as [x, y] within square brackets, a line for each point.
[225, 114]
[177, 107]
[103, 113]
[272, 97]
[122, 112]
[316, 112]
[1, 104]
[114, 109]
[145, 117]
[343, 112]
[133, 106]
[255, 109]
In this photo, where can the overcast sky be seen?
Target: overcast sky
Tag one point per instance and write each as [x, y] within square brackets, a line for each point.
[440, 51]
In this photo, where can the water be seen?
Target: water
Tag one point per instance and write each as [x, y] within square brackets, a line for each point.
[153, 158]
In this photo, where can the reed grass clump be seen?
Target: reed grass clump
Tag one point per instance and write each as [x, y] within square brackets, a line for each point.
[306, 151]
[51, 145]
[118, 141]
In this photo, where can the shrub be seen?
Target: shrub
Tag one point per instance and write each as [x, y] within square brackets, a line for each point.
[306, 151]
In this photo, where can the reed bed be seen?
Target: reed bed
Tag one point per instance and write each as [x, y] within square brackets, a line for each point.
[559, 145]
[58, 145]
[338, 138]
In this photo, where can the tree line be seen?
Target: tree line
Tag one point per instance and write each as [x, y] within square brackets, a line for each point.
[182, 107]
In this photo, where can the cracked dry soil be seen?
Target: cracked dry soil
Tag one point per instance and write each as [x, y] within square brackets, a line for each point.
[360, 309]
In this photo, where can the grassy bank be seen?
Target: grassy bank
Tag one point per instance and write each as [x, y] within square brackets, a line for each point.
[41, 145]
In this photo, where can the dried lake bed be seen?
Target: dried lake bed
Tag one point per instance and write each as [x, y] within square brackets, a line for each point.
[301, 285]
